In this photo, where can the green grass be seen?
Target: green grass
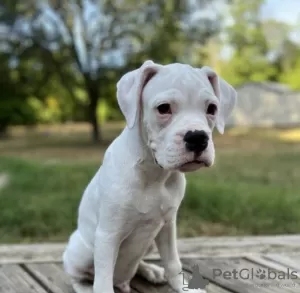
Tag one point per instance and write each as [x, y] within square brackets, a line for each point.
[41, 200]
[249, 193]
[253, 188]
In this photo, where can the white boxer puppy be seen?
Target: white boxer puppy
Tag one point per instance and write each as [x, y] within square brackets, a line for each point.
[133, 199]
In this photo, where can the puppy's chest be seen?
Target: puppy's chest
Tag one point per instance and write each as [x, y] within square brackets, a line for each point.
[157, 204]
[151, 217]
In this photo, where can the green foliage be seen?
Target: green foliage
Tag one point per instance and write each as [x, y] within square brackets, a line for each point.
[14, 107]
[49, 86]
[15, 110]
[103, 111]
[291, 77]
[47, 111]
[247, 65]
[276, 33]
[288, 63]
[249, 61]
[246, 30]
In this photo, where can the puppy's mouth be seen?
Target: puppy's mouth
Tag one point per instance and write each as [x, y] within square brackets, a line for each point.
[156, 162]
[193, 165]
[189, 166]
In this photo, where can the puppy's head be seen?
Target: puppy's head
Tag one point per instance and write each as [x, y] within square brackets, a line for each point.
[178, 107]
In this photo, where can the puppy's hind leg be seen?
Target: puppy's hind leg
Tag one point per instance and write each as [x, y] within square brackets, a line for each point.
[78, 264]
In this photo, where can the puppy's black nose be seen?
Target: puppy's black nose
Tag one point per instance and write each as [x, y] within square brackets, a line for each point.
[196, 141]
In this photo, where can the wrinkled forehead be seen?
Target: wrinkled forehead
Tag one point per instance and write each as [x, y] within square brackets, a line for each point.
[179, 77]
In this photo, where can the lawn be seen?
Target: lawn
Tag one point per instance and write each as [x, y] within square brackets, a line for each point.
[253, 188]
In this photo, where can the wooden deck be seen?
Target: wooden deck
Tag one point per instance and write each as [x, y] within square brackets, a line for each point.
[37, 268]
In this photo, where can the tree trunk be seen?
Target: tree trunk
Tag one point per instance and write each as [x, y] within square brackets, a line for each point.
[93, 94]
[3, 131]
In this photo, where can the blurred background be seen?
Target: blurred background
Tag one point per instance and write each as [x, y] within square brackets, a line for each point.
[59, 64]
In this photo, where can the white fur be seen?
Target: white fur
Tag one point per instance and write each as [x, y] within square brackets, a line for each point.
[133, 199]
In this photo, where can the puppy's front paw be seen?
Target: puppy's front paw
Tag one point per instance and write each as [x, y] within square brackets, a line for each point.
[124, 288]
[152, 273]
[177, 283]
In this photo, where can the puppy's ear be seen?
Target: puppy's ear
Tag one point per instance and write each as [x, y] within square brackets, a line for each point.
[130, 88]
[226, 94]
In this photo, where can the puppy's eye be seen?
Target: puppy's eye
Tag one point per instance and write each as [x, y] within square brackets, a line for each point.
[164, 109]
[211, 109]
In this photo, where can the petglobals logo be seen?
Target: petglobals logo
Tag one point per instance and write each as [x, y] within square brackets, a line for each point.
[251, 274]
[195, 282]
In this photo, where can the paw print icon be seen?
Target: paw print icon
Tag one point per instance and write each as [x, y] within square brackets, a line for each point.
[261, 274]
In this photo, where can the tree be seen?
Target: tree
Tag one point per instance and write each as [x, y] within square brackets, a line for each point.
[82, 41]
[13, 98]
[88, 37]
[246, 37]
[288, 64]
[275, 32]
[183, 26]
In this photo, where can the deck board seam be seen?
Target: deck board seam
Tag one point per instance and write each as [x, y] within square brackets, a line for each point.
[35, 278]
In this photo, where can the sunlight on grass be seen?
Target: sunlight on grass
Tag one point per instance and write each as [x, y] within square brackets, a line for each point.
[285, 135]
[236, 131]
[292, 135]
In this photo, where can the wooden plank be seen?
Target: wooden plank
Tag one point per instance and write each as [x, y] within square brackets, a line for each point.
[273, 265]
[188, 248]
[212, 288]
[51, 275]
[13, 279]
[26, 253]
[294, 256]
[246, 279]
[236, 246]
[143, 286]
[54, 278]
[292, 262]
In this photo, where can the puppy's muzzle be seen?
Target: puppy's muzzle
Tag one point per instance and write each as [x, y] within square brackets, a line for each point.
[196, 141]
